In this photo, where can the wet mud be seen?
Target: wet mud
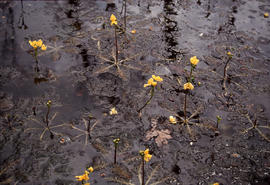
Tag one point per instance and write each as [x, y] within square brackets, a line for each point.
[79, 75]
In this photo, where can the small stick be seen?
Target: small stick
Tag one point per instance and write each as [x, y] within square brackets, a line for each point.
[152, 94]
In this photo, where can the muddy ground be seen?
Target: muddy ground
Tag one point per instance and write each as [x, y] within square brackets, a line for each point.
[77, 74]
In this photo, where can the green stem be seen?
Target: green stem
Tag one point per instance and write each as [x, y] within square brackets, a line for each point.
[152, 94]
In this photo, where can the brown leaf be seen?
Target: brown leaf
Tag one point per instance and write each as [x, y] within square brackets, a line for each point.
[162, 136]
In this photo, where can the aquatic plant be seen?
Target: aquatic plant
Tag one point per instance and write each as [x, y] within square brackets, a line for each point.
[88, 128]
[116, 142]
[152, 82]
[47, 126]
[193, 62]
[145, 157]
[114, 23]
[36, 45]
[85, 177]
[226, 67]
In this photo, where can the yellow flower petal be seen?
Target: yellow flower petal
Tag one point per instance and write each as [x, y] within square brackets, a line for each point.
[157, 78]
[91, 169]
[113, 18]
[87, 183]
[39, 43]
[188, 86]
[194, 61]
[43, 47]
[154, 84]
[266, 15]
[133, 31]
[172, 119]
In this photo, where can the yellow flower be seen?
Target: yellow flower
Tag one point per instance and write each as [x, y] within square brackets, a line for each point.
[113, 20]
[133, 31]
[229, 54]
[266, 15]
[86, 172]
[49, 103]
[39, 43]
[91, 169]
[116, 141]
[147, 156]
[216, 183]
[172, 119]
[33, 44]
[82, 177]
[188, 86]
[194, 61]
[43, 47]
[113, 111]
[150, 82]
[87, 183]
[157, 78]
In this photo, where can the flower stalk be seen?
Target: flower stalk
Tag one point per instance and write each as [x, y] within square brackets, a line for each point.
[145, 157]
[116, 142]
[49, 103]
[114, 23]
[152, 82]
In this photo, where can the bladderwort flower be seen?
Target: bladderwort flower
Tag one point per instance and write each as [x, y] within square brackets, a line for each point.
[193, 61]
[152, 82]
[113, 111]
[113, 20]
[145, 157]
[266, 15]
[229, 54]
[172, 119]
[85, 177]
[188, 86]
[37, 44]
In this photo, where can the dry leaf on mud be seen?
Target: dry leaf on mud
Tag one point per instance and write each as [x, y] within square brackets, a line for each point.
[161, 136]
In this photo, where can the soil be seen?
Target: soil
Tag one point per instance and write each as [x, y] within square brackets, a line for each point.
[78, 74]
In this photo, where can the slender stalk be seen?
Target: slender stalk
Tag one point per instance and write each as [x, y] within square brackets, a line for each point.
[185, 107]
[115, 149]
[116, 45]
[142, 170]
[88, 129]
[47, 121]
[125, 14]
[152, 94]
[190, 75]
[225, 77]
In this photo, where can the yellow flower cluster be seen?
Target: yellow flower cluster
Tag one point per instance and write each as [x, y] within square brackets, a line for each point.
[172, 119]
[153, 81]
[113, 20]
[49, 103]
[35, 44]
[188, 86]
[194, 61]
[85, 176]
[146, 156]
[116, 141]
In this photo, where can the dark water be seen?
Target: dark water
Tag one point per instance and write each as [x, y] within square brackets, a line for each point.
[77, 73]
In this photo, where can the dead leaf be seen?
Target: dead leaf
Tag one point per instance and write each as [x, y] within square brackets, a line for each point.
[161, 136]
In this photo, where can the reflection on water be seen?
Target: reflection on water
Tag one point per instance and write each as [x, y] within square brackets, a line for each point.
[170, 29]
[21, 24]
